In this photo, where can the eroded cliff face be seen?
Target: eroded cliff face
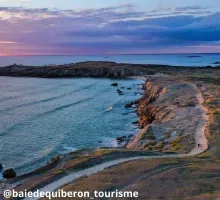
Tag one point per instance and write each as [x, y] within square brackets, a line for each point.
[168, 117]
[146, 110]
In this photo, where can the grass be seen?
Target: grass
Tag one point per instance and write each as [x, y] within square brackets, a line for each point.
[187, 170]
[166, 135]
[194, 177]
[206, 79]
[148, 134]
[176, 145]
[149, 148]
[207, 188]
[152, 143]
[150, 137]
[159, 146]
[191, 177]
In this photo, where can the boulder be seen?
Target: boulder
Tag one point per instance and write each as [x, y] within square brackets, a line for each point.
[119, 92]
[121, 139]
[131, 136]
[131, 104]
[55, 159]
[9, 173]
[114, 84]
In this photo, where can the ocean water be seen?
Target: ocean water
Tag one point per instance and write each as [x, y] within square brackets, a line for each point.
[40, 118]
[168, 59]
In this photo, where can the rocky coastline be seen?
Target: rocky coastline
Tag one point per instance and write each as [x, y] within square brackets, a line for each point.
[96, 69]
[168, 116]
[158, 110]
[167, 112]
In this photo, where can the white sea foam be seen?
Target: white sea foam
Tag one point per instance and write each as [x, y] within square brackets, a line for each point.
[109, 108]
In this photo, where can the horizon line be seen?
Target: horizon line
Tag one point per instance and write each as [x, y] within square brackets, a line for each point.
[111, 54]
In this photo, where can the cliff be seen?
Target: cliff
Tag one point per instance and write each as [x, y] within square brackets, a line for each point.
[168, 115]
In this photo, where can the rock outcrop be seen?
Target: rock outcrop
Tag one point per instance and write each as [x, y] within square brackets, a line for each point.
[114, 84]
[168, 116]
[216, 63]
[9, 173]
[119, 92]
[131, 104]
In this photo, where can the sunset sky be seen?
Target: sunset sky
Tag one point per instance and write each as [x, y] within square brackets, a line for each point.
[77, 27]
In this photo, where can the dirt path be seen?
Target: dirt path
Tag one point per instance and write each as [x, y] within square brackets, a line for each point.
[200, 138]
[200, 133]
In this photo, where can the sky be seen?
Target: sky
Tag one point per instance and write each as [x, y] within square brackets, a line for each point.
[73, 27]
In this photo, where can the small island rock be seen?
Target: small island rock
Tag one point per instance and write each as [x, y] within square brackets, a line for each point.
[9, 173]
[216, 63]
[114, 84]
[119, 92]
[121, 139]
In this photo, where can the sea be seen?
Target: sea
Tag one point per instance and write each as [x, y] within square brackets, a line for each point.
[195, 60]
[41, 118]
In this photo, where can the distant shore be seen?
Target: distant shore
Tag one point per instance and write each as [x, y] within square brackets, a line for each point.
[97, 69]
[190, 59]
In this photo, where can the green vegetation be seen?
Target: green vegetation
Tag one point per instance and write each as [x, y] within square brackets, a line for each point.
[159, 146]
[152, 143]
[206, 79]
[187, 170]
[176, 145]
[148, 134]
[166, 135]
[150, 148]
[207, 188]
[150, 137]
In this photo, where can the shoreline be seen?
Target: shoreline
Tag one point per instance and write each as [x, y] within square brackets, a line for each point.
[200, 134]
[202, 126]
[98, 141]
[200, 131]
[97, 69]
[160, 81]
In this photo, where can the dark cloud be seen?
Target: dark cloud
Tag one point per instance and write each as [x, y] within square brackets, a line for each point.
[110, 28]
